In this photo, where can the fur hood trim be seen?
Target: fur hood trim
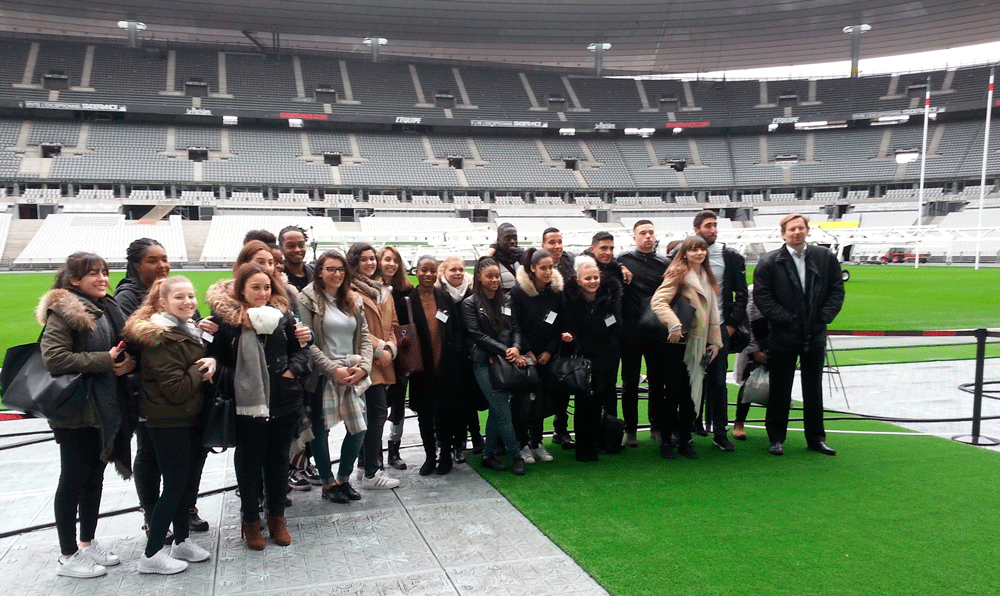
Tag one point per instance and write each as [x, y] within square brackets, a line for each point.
[221, 300]
[79, 315]
[148, 332]
[524, 280]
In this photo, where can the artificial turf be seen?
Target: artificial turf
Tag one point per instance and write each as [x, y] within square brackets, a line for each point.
[889, 514]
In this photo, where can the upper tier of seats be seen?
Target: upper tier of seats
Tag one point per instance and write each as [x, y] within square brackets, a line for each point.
[284, 82]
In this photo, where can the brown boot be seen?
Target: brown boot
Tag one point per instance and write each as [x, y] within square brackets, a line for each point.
[279, 532]
[739, 433]
[251, 533]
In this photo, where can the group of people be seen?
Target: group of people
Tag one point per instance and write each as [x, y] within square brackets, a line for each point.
[301, 347]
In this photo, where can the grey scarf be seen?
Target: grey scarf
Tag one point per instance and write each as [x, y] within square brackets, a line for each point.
[252, 385]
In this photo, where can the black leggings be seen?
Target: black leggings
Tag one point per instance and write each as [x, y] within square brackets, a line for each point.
[178, 454]
[81, 482]
[262, 444]
[146, 472]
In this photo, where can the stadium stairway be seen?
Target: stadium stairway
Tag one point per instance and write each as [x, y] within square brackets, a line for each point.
[21, 233]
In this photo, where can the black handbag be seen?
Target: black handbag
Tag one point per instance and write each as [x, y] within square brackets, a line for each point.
[504, 376]
[610, 433]
[28, 387]
[650, 325]
[570, 374]
[533, 405]
[219, 431]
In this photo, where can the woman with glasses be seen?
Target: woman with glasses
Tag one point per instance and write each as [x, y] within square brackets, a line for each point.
[342, 363]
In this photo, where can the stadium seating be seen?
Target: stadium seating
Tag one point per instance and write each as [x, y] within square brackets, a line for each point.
[105, 234]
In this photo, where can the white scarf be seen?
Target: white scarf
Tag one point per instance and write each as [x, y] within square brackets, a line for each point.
[264, 319]
[457, 294]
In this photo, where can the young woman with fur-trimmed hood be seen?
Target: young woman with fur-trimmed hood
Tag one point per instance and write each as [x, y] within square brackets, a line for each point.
[82, 327]
[257, 348]
[173, 372]
[537, 302]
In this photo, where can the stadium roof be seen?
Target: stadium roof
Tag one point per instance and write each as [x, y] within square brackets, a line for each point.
[647, 36]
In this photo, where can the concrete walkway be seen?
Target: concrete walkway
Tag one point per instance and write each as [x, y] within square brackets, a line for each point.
[434, 535]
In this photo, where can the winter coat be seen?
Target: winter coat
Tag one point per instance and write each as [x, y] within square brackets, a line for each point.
[532, 310]
[703, 299]
[312, 307]
[439, 386]
[596, 336]
[281, 349]
[68, 319]
[380, 314]
[647, 274]
[797, 318]
[130, 294]
[171, 388]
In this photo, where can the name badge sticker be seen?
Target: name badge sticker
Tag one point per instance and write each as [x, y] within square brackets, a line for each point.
[441, 316]
[610, 320]
[505, 311]
[551, 317]
[205, 335]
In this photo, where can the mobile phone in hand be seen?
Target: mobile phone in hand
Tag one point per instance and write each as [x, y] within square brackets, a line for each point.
[121, 352]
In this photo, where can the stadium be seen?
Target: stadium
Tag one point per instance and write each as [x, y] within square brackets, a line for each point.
[424, 125]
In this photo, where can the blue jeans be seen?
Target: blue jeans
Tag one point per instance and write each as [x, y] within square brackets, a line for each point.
[499, 423]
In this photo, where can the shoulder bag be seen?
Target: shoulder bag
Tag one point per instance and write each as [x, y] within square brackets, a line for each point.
[28, 387]
[220, 416]
[650, 325]
[409, 358]
[504, 376]
[570, 374]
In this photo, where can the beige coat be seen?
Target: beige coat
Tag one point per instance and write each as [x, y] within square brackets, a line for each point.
[701, 296]
[380, 312]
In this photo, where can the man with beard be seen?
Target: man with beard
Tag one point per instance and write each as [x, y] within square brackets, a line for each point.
[507, 253]
[292, 242]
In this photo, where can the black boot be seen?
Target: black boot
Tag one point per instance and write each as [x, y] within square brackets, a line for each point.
[477, 443]
[197, 524]
[429, 464]
[394, 460]
[444, 463]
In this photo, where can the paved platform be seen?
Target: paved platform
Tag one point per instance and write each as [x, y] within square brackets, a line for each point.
[434, 536]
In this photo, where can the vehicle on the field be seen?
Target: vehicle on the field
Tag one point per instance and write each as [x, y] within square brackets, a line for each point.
[901, 254]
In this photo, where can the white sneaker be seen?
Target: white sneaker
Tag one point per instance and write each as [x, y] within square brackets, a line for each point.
[161, 563]
[359, 473]
[379, 482]
[527, 455]
[100, 555]
[79, 565]
[189, 551]
[541, 454]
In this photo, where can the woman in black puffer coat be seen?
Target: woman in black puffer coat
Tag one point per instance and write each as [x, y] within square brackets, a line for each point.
[537, 302]
[594, 321]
